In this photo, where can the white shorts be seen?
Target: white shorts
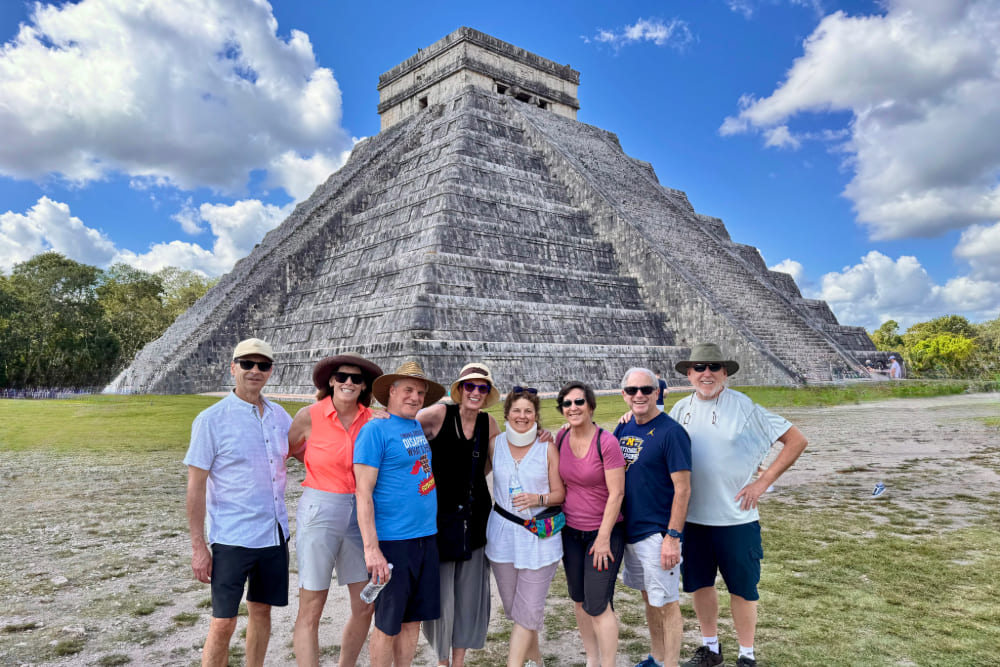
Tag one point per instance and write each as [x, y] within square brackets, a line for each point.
[641, 570]
[327, 536]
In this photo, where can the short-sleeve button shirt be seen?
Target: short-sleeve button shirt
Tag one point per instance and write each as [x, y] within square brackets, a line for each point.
[244, 453]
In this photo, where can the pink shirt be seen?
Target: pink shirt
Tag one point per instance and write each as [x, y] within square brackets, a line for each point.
[586, 490]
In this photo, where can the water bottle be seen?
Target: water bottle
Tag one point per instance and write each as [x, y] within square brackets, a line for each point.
[878, 490]
[514, 489]
[371, 589]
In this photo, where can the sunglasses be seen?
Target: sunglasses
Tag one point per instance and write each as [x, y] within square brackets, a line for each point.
[578, 401]
[518, 389]
[645, 389]
[700, 368]
[246, 365]
[472, 387]
[356, 378]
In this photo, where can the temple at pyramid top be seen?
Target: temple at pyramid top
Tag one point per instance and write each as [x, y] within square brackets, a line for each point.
[468, 57]
[485, 223]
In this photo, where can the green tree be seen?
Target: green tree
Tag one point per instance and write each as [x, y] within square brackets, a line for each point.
[953, 324]
[57, 321]
[886, 337]
[132, 302]
[181, 288]
[947, 354]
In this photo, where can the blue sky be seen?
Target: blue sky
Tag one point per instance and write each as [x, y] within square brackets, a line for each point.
[857, 144]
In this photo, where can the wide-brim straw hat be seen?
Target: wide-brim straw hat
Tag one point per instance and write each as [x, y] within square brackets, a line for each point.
[325, 368]
[475, 371]
[707, 353]
[409, 369]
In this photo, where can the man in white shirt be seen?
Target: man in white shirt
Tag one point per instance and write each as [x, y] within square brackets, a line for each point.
[730, 437]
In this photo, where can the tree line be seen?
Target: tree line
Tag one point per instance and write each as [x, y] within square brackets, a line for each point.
[948, 346]
[71, 325]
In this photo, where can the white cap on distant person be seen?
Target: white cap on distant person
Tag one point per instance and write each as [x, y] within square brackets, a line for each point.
[253, 346]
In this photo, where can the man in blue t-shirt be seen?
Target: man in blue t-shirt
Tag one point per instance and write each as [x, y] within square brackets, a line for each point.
[662, 393]
[397, 510]
[657, 454]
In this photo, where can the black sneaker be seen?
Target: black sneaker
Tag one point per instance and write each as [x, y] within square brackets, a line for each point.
[704, 657]
[746, 662]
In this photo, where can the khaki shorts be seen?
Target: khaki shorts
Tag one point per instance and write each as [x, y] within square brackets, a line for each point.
[327, 537]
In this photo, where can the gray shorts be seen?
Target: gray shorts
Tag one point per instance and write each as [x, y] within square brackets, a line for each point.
[642, 571]
[327, 536]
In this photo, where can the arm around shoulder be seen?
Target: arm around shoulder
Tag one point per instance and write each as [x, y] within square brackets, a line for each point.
[431, 418]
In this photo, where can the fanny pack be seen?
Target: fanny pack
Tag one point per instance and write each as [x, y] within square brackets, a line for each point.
[544, 524]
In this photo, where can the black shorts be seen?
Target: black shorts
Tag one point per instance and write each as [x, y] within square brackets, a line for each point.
[232, 567]
[595, 589]
[414, 589]
[733, 551]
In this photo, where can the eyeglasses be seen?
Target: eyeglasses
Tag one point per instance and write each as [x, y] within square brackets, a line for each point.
[577, 401]
[472, 387]
[356, 378]
[645, 389]
[246, 365]
[700, 368]
[518, 389]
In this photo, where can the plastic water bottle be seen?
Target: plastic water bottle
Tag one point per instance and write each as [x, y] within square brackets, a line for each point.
[371, 589]
[878, 490]
[514, 489]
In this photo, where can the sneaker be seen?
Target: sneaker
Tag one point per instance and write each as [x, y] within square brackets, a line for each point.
[648, 662]
[704, 657]
[746, 662]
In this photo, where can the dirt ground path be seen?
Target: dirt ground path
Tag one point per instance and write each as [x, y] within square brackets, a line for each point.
[94, 554]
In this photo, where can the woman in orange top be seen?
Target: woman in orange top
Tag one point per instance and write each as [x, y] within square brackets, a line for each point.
[327, 533]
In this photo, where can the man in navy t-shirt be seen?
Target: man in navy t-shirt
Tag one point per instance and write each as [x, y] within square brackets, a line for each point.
[662, 394]
[657, 454]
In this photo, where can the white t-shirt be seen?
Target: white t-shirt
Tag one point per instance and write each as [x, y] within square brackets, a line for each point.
[507, 542]
[730, 437]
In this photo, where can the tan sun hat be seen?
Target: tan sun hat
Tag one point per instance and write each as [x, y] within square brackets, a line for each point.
[253, 346]
[475, 371]
[409, 369]
[707, 353]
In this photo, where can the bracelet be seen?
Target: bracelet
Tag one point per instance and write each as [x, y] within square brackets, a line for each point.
[540, 501]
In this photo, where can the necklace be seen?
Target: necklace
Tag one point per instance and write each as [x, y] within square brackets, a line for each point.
[687, 415]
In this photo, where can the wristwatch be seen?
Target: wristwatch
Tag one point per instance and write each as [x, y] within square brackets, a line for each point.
[673, 533]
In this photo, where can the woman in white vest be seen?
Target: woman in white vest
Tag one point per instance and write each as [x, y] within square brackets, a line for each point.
[526, 482]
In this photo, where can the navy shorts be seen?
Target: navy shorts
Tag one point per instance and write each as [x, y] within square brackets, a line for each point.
[265, 569]
[414, 589]
[595, 589]
[733, 551]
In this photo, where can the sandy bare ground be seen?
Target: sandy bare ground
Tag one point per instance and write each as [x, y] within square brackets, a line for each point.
[94, 554]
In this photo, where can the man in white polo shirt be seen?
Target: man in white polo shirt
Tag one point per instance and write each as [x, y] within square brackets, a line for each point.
[236, 472]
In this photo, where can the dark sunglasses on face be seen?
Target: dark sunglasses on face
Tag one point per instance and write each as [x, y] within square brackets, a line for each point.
[356, 378]
[518, 389]
[578, 401]
[645, 389]
[700, 368]
[246, 365]
[471, 387]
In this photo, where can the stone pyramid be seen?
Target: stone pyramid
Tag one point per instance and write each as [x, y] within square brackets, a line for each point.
[485, 223]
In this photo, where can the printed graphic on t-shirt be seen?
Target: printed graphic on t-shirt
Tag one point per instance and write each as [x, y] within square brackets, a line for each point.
[631, 446]
[416, 445]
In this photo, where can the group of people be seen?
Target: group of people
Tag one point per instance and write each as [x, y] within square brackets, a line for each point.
[398, 497]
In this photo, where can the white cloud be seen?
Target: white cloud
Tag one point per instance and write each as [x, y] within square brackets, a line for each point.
[879, 288]
[792, 268]
[748, 7]
[675, 33]
[236, 227]
[922, 85]
[187, 93]
[980, 247]
[188, 218]
[780, 137]
[48, 225]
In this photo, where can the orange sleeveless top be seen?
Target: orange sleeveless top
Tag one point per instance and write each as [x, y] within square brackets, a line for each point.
[329, 456]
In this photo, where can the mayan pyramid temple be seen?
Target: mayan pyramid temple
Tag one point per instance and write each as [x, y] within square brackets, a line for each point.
[484, 222]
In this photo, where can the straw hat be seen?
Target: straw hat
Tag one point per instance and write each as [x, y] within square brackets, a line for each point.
[325, 368]
[475, 371]
[409, 369]
[707, 353]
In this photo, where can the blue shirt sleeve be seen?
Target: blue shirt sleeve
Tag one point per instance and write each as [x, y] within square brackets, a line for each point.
[678, 450]
[370, 446]
[201, 451]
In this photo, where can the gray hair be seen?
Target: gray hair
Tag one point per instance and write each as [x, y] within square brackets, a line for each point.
[652, 378]
[395, 383]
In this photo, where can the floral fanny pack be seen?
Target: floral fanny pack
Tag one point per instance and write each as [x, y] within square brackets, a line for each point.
[544, 524]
